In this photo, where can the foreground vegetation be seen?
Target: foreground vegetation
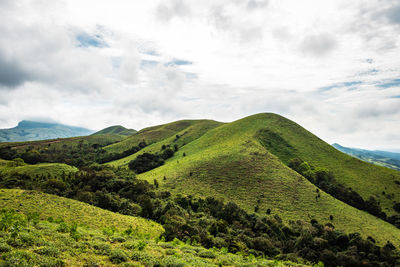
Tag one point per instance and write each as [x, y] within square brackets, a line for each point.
[27, 239]
[208, 222]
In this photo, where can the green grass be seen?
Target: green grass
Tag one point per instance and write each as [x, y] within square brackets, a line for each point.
[45, 169]
[101, 139]
[73, 211]
[116, 130]
[188, 134]
[231, 163]
[157, 133]
[54, 243]
[365, 178]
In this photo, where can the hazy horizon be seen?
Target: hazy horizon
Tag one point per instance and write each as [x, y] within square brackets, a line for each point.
[330, 66]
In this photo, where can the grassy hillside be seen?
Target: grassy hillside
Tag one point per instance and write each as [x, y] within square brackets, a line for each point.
[117, 130]
[288, 140]
[230, 162]
[101, 238]
[101, 139]
[161, 132]
[73, 211]
[46, 169]
[77, 151]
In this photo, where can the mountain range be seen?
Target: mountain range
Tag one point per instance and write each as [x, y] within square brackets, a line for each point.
[32, 130]
[378, 157]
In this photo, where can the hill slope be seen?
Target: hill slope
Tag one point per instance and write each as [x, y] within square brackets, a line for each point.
[73, 211]
[233, 162]
[117, 129]
[381, 158]
[187, 131]
[31, 130]
[288, 140]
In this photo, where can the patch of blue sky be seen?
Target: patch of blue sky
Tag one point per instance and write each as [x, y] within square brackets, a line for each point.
[178, 62]
[148, 63]
[191, 75]
[369, 60]
[116, 62]
[388, 84]
[369, 72]
[395, 96]
[86, 40]
[340, 85]
[152, 53]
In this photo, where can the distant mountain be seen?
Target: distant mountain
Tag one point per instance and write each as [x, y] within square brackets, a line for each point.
[117, 129]
[33, 130]
[382, 158]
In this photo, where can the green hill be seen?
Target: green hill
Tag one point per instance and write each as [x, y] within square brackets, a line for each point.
[31, 130]
[187, 131]
[367, 179]
[73, 211]
[117, 129]
[12, 168]
[76, 151]
[243, 161]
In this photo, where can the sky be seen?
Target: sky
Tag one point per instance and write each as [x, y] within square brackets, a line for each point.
[331, 66]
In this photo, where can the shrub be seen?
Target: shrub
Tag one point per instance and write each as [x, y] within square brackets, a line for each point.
[118, 239]
[145, 162]
[207, 254]
[396, 207]
[102, 248]
[166, 245]
[48, 251]
[141, 245]
[170, 251]
[27, 239]
[172, 261]
[4, 247]
[73, 232]
[118, 256]
[18, 258]
[91, 262]
[63, 227]
[144, 258]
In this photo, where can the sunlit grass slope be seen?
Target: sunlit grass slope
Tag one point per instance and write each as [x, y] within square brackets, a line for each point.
[157, 133]
[7, 169]
[287, 140]
[101, 139]
[73, 211]
[116, 130]
[230, 162]
[164, 135]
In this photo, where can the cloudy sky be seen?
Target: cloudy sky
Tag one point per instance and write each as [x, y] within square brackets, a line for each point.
[331, 66]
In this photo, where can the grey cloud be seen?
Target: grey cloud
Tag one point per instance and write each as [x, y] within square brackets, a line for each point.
[318, 45]
[47, 53]
[174, 8]
[228, 23]
[378, 24]
[11, 74]
[129, 69]
[256, 4]
[219, 19]
[248, 35]
[392, 14]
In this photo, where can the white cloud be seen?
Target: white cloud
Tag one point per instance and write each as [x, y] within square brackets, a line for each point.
[95, 63]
